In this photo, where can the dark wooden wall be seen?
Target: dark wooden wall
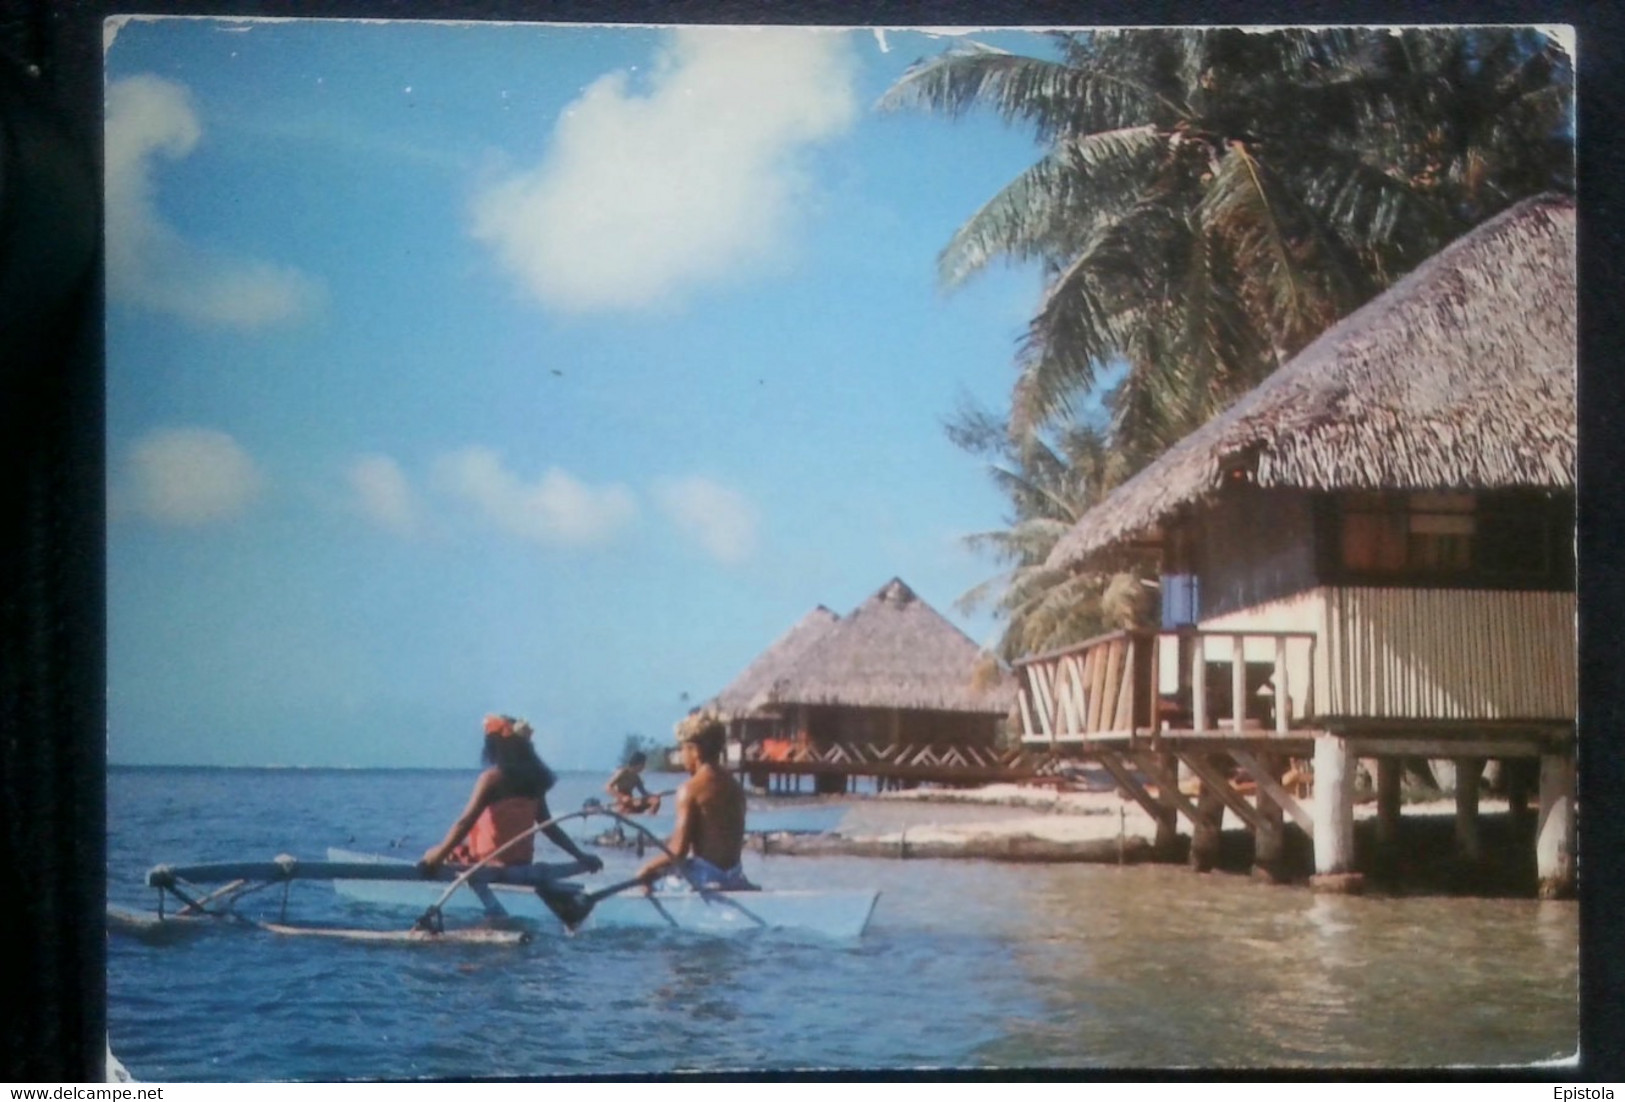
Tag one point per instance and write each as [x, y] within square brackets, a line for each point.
[1254, 546]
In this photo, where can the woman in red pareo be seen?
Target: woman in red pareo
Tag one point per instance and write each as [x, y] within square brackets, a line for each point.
[509, 798]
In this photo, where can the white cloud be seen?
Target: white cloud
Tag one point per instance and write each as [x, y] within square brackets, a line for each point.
[720, 520]
[555, 510]
[643, 194]
[383, 495]
[149, 263]
[189, 477]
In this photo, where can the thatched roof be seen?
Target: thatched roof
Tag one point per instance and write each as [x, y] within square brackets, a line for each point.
[892, 651]
[1460, 376]
[758, 678]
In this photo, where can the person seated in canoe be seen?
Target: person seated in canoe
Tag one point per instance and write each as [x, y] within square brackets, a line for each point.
[710, 833]
[626, 786]
[509, 799]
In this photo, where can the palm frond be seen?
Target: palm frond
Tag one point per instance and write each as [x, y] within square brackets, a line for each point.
[1026, 90]
[1078, 184]
[1274, 253]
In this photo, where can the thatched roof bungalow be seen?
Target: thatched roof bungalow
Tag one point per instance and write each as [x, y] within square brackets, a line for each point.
[893, 671]
[1374, 551]
[1399, 497]
[893, 653]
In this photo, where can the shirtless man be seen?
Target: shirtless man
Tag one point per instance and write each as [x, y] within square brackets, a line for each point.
[710, 832]
[626, 787]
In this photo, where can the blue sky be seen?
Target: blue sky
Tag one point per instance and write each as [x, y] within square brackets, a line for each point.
[540, 369]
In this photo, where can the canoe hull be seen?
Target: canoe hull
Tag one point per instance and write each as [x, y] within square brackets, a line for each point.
[835, 914]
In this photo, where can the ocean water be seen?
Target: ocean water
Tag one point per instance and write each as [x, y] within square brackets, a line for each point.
[966, 964]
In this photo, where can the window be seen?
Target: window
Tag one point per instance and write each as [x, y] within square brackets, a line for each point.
[1517, 544]
[1507, 536]
[1390, 533]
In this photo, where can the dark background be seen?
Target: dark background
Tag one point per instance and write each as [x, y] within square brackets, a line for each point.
[52, 499]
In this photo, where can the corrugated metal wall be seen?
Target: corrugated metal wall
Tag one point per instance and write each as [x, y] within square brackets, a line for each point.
[1448, 654]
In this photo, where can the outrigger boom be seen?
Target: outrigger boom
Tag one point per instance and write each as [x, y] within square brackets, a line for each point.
[293, 868]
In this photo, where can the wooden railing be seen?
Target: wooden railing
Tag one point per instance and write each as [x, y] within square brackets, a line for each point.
[1130, 683]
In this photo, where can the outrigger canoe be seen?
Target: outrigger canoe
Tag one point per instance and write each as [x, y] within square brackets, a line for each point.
[495, 891]
[835, 913]
[500, 892]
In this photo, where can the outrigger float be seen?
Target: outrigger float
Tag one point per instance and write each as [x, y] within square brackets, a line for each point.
[502, 893]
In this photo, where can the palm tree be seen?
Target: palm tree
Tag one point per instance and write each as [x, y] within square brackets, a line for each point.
[1051, 480]
[1209, 200]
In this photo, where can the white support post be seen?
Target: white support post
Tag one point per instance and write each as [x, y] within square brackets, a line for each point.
[1333, 808]
[1554, 838]
[1238, 682]
[1283, 695]
[1198, 684]
[1309, 701]
[1154, 683]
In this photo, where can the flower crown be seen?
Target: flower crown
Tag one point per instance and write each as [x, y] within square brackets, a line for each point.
[507, 727]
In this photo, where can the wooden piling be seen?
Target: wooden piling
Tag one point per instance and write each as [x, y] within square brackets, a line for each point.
[1390, 770]
[1269, 837]
[1520, 779]
[1208, 829]
[1468, 842]
[1168, 823]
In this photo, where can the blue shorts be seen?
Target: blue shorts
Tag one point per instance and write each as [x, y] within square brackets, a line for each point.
[704, 875]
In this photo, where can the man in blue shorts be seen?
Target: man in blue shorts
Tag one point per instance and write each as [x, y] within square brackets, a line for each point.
[710, 833]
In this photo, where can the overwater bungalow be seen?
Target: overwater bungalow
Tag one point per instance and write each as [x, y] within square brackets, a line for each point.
[891, 683]
[1368, 557]
[743, 704]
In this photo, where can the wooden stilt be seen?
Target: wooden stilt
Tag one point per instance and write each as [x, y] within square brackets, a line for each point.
[1163, 771]
[1161, 813]
[1389, 772]
[1554, 840]
[1208, 829]
[1269, 837]
[1214, 774]
[1271, 781]
[1168, 825]
[1519, 776]
[1468, 843]
[1333, 812]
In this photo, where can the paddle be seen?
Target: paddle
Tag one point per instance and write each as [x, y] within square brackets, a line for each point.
[432, 919]
[573, 907]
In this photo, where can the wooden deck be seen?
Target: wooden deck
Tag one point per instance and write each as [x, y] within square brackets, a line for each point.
[1236, 710]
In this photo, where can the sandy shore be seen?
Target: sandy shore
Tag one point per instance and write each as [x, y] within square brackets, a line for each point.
[1046, 815]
